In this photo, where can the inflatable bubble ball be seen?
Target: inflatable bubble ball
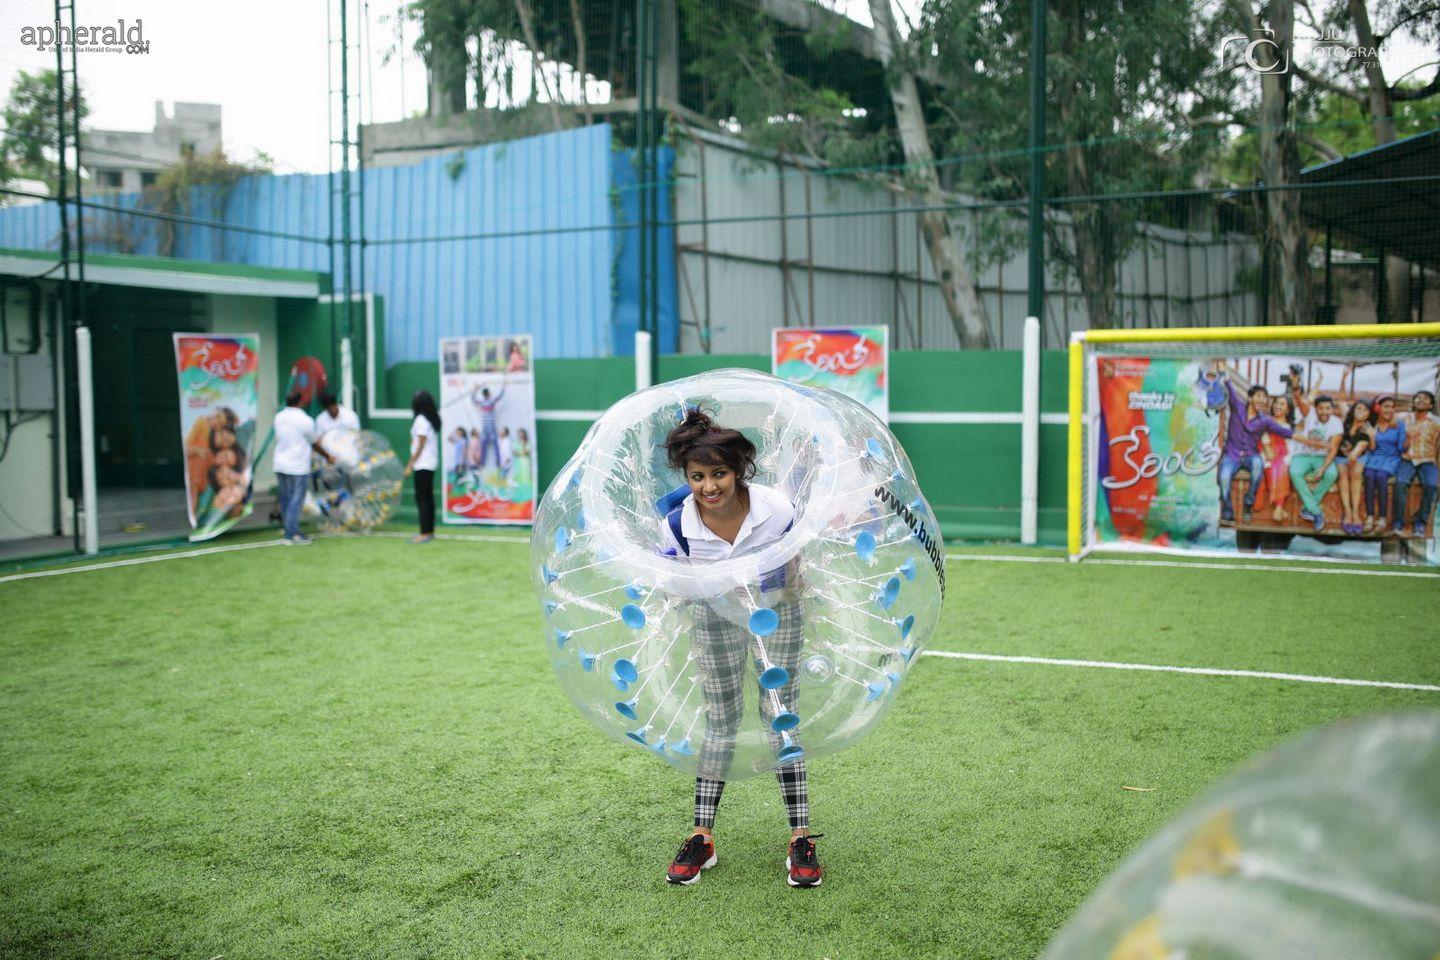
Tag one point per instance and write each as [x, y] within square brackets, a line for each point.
[1326, 848]
[361, 488]
[732, 667]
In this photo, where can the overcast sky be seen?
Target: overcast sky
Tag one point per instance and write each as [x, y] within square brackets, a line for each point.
[264, 62]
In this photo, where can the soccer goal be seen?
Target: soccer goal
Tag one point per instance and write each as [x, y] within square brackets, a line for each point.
[1218, 440]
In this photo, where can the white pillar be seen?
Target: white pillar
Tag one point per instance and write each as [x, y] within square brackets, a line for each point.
[1030, 432]
[643, 346]
[87, 440]
[347, 374]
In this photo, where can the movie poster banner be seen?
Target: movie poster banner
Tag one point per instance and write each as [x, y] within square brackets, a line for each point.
[1268, 454]
[219, 379]
[487, 442]
[854, 361]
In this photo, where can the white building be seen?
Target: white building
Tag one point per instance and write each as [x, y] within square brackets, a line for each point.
[127, 161]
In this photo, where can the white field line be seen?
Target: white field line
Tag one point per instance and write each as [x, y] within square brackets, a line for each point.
[136, 561]
[1204, 671]
[1093, 561]
[949, 654]
[481, 537]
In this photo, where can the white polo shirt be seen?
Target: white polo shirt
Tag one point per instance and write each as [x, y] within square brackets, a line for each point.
[429, 458]
[294, 433]
[347, 419]
[771, 512]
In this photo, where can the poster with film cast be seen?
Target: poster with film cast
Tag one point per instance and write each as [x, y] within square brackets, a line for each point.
[487, 437]
[1281, 455]
[218, 377]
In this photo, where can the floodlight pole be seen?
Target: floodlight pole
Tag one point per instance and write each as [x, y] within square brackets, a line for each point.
[1036, 307]
[1034, 330]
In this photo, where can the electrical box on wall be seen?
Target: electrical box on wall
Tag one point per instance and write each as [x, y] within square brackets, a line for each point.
[37, 381]
[27, 382]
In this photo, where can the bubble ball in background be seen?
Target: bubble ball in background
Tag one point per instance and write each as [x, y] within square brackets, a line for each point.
[361, 488]
[831, 616]
[1326, 848]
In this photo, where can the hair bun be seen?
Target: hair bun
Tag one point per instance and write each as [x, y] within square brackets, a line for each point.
[695, 417]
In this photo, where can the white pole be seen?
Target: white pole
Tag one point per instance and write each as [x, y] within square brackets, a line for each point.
[642, 359]
[87, 440]
[347, 374]
[1030, 432]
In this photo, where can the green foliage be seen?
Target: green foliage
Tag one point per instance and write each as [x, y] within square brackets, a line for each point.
[204, 180]
[1339, 121]
[736, 52]
[28, 143]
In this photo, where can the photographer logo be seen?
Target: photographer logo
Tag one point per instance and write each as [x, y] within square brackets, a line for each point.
[118, 37]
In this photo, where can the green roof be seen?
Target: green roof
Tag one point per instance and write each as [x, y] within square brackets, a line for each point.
[202, 276]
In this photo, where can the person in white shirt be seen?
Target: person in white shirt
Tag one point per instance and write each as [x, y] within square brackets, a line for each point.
[295, 438]
[507, 454]
[725, 514]
[424, 460]
[335, 415]
[1314, 463]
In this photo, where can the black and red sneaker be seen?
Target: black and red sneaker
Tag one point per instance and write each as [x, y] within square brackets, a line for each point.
[802, 864]
[696, 853]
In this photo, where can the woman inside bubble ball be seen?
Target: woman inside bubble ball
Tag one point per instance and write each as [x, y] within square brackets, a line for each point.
[725, 514]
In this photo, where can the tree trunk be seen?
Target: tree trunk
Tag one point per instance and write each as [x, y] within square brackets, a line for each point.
[1397, 271]
[1280, 167]
[446, 68]
[578, 22]
[537, 64]
[957, 286]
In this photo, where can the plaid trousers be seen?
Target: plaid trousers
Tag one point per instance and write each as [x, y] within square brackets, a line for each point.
[721, 648]
[794, 791]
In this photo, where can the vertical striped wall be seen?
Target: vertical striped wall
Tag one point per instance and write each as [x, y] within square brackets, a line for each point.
[546, 262]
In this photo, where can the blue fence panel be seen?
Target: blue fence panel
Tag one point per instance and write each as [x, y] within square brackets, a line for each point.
[532, 242]
[626, 180]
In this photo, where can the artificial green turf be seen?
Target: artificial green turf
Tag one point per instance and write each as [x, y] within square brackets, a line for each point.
[358, 749]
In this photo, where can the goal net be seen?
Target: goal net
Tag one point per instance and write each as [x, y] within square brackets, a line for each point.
[1308, 441]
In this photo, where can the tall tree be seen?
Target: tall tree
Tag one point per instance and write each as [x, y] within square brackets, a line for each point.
[1120, 83]
[784, 97]
[1362, 79]
[957, 284]
[444, 28]
[537, 63]
[577, 23]
[1315, 118]
[28, 147]
[1280, 156]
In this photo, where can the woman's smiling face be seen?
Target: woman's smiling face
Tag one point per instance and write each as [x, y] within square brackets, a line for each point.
[712, 484]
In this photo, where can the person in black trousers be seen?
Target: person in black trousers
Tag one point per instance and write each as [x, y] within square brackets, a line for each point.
[424, 460]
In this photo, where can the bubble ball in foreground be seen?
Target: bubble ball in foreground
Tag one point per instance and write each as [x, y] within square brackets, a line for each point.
[1327, 848]
[830, 617]
[361, 489]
